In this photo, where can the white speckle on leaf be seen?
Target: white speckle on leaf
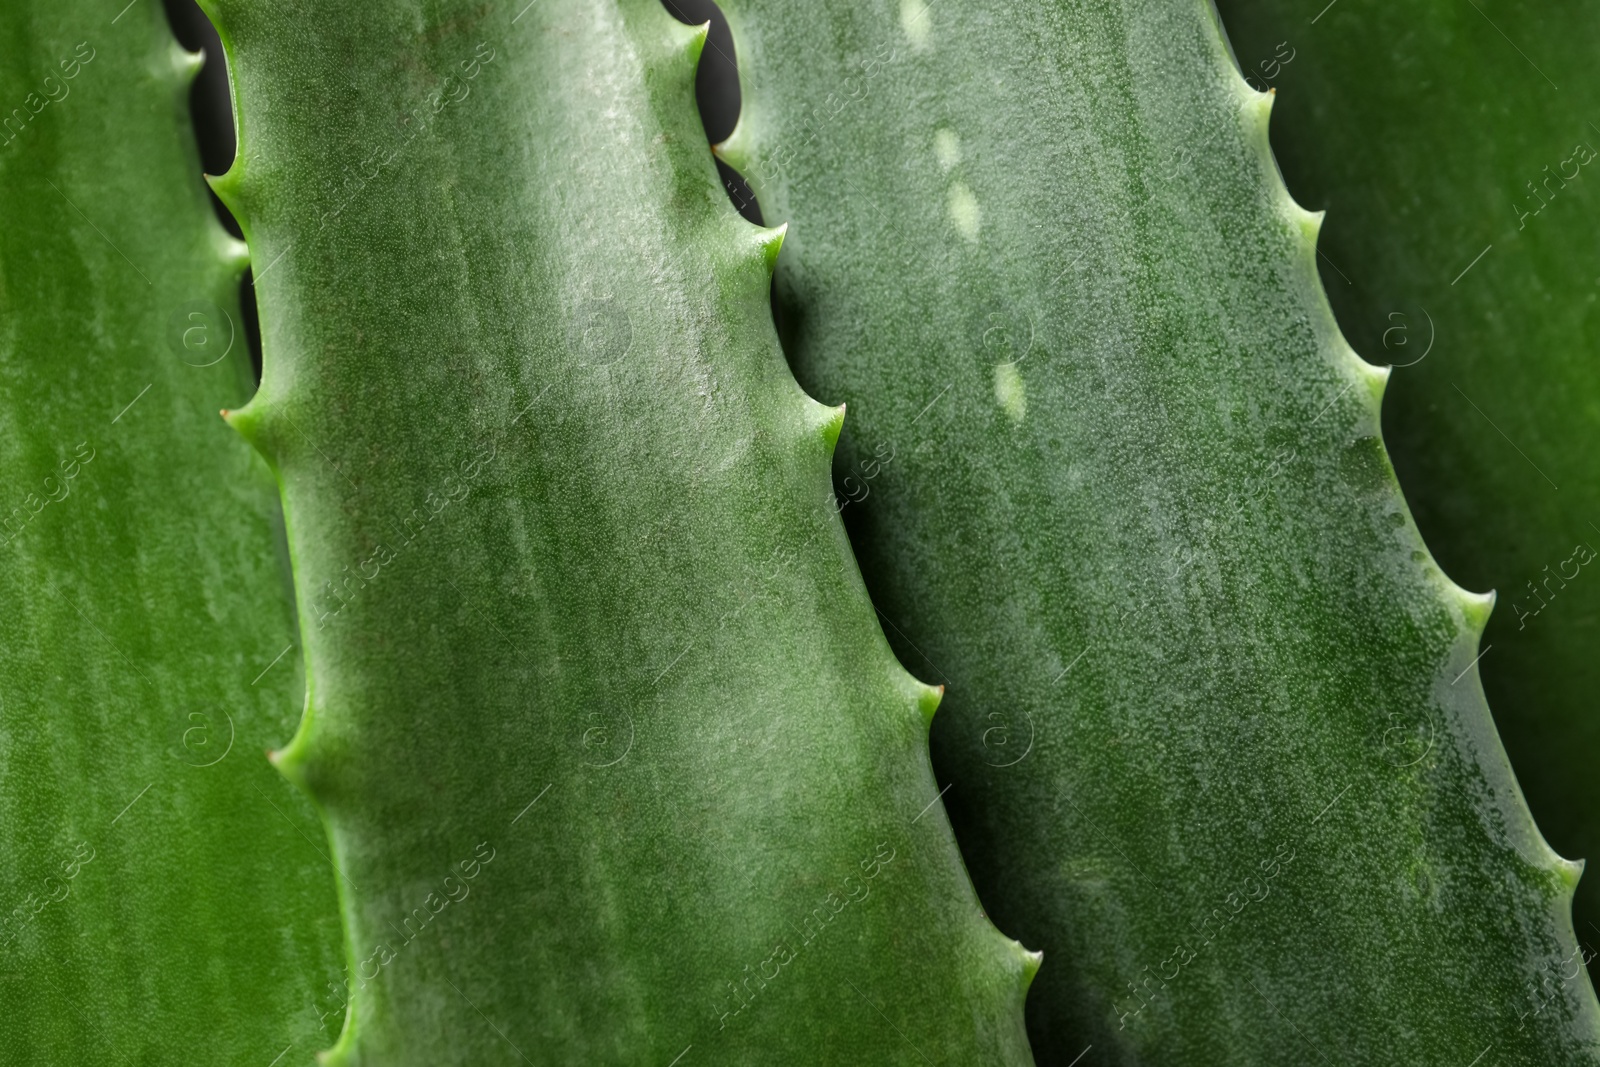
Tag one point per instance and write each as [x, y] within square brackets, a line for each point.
[1009, 391]
[947, 148]
[964, 211]
[914, 20]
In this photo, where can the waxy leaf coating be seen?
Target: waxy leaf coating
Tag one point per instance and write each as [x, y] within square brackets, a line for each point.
[615, 761]
[164, 894]
[1462, 247]
[1213, 735]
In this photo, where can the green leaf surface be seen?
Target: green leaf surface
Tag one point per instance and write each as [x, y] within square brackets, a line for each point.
[1454, 148]
[615, 761]
[1214, 738]
[161, 901]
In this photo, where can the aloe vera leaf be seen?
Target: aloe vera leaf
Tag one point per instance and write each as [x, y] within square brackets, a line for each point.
[160, 901]
[1493, 429]
[614, 759]
[1214, 740]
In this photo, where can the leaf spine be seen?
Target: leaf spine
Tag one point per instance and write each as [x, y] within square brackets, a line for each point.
[735, 150]
[187, 64]
[229, 188]
[1475, 609]
[928, 701]
[832, 422]
[770, 241]
[235, 254]
[1031, 961]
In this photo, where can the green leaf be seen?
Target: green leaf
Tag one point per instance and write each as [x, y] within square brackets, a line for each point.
[160, 900]
[616, 764]
[1214, 737]
[1440, 241]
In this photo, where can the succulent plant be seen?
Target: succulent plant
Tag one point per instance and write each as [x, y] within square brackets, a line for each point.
[609, 752]
[614, 759]
[164, 896]
[1214, 739]
[1468, 262]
